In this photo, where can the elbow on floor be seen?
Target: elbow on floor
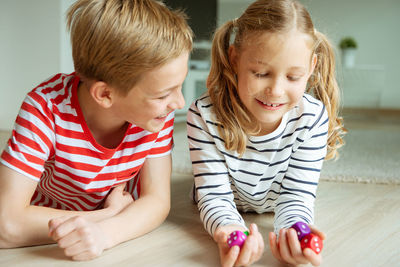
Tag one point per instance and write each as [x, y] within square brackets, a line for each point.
[8, 234]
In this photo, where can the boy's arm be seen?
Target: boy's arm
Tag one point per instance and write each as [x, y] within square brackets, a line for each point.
[22, 224]
[84, 240]
[150, 210]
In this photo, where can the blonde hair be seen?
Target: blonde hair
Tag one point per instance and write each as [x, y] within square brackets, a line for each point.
[116, 41]
[271, 16]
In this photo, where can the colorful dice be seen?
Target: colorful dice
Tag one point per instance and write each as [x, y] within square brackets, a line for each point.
[312, 241]
[237, 238]
[306, 238]
[302, 229]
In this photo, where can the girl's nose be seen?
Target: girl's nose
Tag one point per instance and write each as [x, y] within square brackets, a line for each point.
[275, 88]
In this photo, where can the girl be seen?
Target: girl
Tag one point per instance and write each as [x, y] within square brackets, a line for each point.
[258, 138]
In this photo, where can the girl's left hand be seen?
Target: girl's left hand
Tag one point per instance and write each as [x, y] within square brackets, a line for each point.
[288, 250]
[80, 239]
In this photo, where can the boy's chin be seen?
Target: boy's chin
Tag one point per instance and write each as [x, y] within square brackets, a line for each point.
[155, 126]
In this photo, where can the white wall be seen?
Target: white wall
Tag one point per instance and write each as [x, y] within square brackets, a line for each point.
[33, 46]
[66, 62]
[375, 25]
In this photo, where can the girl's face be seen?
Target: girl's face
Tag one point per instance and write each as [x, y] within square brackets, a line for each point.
[272, 71]
[157, 93]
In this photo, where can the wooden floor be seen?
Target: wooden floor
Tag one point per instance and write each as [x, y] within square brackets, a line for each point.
[362, 223]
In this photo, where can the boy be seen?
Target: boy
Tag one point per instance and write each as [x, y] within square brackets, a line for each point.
[88, 164]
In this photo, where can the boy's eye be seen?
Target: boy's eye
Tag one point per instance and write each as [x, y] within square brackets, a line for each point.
[163, 97]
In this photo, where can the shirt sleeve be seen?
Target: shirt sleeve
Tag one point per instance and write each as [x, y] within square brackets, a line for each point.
[212, 187]
[299, 185]
[31, 142]
[164, 142]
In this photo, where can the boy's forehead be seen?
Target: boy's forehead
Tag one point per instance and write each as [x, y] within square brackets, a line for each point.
[166, 77]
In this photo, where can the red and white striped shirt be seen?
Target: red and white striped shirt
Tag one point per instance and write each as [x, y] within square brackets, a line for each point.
[52, 145]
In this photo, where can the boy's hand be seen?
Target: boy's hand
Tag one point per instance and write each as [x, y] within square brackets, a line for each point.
[288, 250]
[118, 199]
[79, 238]
[250, 252]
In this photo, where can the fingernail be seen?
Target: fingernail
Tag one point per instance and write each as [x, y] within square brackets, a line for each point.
[236, 249]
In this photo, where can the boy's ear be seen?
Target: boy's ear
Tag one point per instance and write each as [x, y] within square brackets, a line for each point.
[102, 94]
[232, 54]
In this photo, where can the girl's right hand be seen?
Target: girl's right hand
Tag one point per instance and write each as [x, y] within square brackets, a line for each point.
[251, 251]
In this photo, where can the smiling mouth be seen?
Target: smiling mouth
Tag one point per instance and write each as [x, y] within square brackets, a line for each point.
[162, 117]
[270, 105]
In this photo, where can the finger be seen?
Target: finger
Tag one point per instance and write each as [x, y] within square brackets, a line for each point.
[229, 259]
[321, 234]
[120, 187]
[69, 240]
[253, 229]
[75, 248]
[220, 236]
[55, 223]
[259, 242]
[260, 249]
[284, 247]
[80, 252]
[67, 227]
[273, 245]
[312, 257]
[84, 256]
[294, 246]
[247, 251]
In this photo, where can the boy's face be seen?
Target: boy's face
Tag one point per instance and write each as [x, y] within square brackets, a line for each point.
[272, 70]
[157, 93]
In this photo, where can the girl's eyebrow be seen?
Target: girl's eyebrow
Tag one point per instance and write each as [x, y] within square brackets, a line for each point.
[294, 68]
[259, 62]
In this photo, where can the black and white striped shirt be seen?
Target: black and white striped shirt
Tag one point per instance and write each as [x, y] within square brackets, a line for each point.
[278, 172]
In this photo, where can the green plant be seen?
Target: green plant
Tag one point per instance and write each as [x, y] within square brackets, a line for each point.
[347, 42]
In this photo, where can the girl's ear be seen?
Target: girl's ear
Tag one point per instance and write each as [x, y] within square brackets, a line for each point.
[101, 93]
[232, 53]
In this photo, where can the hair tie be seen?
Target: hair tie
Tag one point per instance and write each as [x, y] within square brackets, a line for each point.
[234, 22]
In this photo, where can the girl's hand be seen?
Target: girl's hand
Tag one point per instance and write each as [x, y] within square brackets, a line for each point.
[118, 199]
[250, 252]
[288, 250]
[79, 238]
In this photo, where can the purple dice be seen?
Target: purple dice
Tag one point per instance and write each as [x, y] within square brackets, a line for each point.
[302, 229]
[236, 238]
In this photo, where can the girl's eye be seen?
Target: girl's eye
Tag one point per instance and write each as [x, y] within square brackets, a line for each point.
[293, 78]
[261, 75]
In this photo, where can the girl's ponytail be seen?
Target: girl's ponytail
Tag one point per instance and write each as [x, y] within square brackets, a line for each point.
[222, 84]
[324, 86]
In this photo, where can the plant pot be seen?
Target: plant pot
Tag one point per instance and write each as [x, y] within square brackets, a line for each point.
[349, 57]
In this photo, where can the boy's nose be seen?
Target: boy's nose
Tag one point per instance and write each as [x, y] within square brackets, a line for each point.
[179, 101]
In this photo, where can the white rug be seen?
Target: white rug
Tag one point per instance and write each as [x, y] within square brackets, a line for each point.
[369, 156]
